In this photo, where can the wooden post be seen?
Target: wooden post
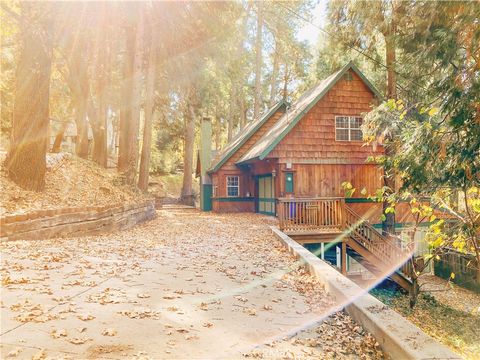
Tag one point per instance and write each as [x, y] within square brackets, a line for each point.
[342, 214]
[344, 258]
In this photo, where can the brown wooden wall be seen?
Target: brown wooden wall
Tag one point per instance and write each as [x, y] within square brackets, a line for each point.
[247, 182]
[313, 138]
[323, 180]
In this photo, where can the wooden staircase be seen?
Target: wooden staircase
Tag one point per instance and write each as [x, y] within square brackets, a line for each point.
[375, 252]
[316, 218]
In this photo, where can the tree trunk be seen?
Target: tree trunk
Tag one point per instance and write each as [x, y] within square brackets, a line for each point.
[273, 80]
[285, 83]
[388, 226]
[98, 121]
[81, 145]
[149, 111]
[413, 292]
[187, 194]
[231, 112]
[26, 159]
[133, 136]
[243, 110]
[57, 144]
[77, 81]
[258, 62]
[126, 108]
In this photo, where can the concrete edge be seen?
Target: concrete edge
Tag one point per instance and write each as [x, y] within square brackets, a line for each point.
[397, 336]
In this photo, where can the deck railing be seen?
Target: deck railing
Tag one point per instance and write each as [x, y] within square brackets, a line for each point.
[312, 214]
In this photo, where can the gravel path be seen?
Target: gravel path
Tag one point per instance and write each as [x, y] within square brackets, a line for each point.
[185, 285]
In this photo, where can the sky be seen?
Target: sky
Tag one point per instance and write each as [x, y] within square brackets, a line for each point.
[309, 32]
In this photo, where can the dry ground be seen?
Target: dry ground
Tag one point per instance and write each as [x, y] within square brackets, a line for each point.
[70, 182]
[186, 285]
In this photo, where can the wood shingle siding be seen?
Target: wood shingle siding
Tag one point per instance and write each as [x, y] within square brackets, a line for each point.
[313, 138]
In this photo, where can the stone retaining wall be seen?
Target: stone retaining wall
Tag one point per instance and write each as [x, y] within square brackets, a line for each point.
[68, 222]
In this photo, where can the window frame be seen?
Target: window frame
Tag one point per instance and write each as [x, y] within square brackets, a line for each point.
[349, 128]
[232, 186]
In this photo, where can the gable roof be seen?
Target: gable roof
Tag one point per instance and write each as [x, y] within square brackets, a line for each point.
[293, 115]
[243, 136]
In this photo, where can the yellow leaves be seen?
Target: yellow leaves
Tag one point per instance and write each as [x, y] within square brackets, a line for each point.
[363, 192]
[390, 210]
[391, 104]
[460, 243]
[349, 189]
[452, 275]
[473, 190]
[433, 112]
[437, 242]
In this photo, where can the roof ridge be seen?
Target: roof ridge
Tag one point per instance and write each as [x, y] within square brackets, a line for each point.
[242, 136]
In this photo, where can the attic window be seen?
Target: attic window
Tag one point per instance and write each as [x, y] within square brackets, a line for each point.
[348, 76]
[348, 128]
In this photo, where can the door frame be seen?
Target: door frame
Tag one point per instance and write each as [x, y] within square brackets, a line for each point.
[257, 195]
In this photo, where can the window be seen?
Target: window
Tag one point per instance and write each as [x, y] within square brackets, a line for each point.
[289, 182]
[347, 128]
[233, 186]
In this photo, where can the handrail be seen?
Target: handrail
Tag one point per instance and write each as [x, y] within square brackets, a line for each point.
[303, 199]
[367, 236]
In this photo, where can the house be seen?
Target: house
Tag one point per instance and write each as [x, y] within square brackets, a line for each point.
[291, 163]
[304, 150]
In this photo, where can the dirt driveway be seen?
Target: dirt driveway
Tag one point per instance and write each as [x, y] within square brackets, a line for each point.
[185, 285]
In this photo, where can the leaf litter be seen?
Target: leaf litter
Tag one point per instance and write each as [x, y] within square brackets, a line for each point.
[217, 262]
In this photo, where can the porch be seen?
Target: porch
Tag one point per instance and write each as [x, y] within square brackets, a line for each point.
[330, 220]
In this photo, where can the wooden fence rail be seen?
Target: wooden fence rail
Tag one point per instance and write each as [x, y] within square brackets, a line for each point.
[321, 214]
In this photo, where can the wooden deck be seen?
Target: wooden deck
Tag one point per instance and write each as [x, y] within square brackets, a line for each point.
[321, 220]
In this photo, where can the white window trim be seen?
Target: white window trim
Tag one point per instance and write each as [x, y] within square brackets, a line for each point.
[227, 186]
[349, 128]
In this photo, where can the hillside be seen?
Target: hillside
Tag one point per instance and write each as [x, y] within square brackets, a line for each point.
[70, 182]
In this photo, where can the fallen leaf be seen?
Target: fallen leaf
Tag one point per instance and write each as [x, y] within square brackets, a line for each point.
[86, 317]
[14, 353]
[109, 332]
[58, 333]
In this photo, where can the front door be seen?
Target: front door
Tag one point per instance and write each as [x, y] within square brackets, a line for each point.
[266, 195]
